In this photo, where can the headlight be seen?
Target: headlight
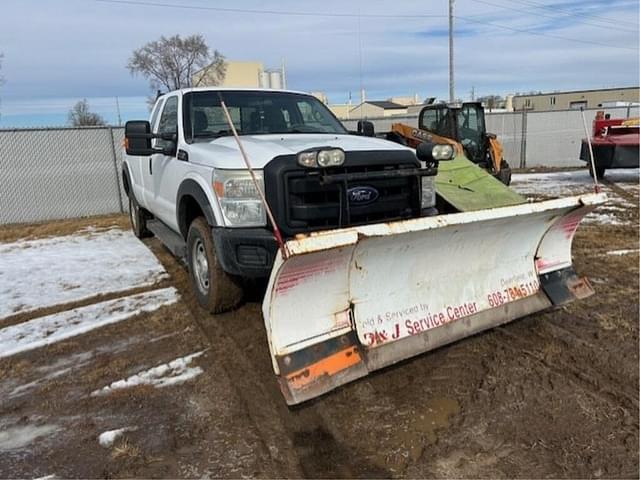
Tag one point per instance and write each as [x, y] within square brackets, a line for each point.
[442, 152]
[428, 152]
[428, 192]
[239, 199]
[332, 157]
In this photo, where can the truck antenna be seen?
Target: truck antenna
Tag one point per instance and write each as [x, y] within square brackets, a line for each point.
[596, 187]
[276, 230]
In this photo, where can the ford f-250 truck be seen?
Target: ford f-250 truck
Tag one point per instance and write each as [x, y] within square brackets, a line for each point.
[187, 182]
[257, 183]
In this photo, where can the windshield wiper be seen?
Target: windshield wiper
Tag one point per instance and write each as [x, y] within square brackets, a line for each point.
[221, 133]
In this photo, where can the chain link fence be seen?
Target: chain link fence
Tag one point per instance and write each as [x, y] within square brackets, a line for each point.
[529, 139]
[60, 173]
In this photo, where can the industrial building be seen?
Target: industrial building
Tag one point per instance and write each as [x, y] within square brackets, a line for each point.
[576, 99]
[242, 74]
[377, 108]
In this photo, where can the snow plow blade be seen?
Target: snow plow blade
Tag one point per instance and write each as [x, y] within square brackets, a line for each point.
[350, 301]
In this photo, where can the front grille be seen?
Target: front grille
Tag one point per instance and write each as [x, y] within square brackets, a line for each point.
[312, 205]
[305, 200]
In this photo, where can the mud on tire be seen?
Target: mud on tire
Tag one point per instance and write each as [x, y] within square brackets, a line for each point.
[138, 218]
[216, 290]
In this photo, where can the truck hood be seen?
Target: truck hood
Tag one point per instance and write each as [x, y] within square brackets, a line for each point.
[224, 153]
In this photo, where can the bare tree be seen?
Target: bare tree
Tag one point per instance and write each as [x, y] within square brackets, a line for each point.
[171, 63]
[491, 101]
[80, 116]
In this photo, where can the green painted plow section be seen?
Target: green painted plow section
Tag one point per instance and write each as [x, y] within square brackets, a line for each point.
[468, 187]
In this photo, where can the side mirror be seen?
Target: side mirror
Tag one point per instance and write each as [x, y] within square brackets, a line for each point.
[169, 144]
[365, 128]
[429, 152]
[137, 138]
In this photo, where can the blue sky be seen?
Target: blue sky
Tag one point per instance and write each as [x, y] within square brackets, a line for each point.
[59, 51]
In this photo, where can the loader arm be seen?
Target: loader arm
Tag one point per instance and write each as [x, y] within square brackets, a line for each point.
[495, 151]
[413, 136]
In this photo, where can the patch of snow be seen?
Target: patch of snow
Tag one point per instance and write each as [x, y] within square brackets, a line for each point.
[623, 175]
[623, 252]
[45, 272]
[59, 326]
[107, 438]
[19, 390]
[552, 183]
[562, 184]
[14, 438]
[603, 218]
[172, 373]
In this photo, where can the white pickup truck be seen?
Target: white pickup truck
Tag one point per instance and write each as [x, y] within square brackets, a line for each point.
[188, 184]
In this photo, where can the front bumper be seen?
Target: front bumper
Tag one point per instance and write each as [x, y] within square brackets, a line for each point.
[245, 252]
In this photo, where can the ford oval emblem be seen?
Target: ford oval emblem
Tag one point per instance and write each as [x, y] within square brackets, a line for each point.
[362, 195]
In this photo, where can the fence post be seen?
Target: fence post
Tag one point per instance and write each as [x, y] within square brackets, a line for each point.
[115, 167]
[523, 140]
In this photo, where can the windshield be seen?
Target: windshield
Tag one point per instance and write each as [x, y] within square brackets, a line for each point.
[255, 113]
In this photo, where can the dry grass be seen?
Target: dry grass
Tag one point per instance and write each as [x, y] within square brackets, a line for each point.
[30, 231]
[125, 450]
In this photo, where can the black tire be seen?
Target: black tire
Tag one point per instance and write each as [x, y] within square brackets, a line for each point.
[138, 219]
[216, 290]
[504, 175]
[599, 171]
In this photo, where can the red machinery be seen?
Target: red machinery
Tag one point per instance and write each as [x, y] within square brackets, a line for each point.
[615, 143]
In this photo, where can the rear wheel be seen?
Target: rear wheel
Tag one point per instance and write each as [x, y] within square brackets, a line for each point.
[599, 171]
[504, 175]
[216, 290]
[138, 219]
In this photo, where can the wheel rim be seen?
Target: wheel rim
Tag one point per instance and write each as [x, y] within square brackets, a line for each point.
[200, 266]
[133, 214]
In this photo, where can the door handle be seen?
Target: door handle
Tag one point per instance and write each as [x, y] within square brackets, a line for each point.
[150, 166]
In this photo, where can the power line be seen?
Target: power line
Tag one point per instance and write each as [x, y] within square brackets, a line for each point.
[352, 15]
[607, 27]
[580, 14]
[265, 12]
[540, 34]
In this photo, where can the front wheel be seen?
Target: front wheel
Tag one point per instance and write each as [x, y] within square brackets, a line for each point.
[137, 218]
[216, 290]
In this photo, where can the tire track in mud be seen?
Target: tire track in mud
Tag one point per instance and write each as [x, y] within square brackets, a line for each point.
[620, 191]
[579, 374]
[297, 439]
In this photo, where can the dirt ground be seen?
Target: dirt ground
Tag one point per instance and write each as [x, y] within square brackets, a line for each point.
[551, 395]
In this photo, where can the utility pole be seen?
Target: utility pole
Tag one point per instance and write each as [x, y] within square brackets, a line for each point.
[473, 93]
[452, 96]
[284, 75]
[118, 110]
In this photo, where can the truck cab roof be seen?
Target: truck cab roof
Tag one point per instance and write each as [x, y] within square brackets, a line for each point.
[182, 91]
